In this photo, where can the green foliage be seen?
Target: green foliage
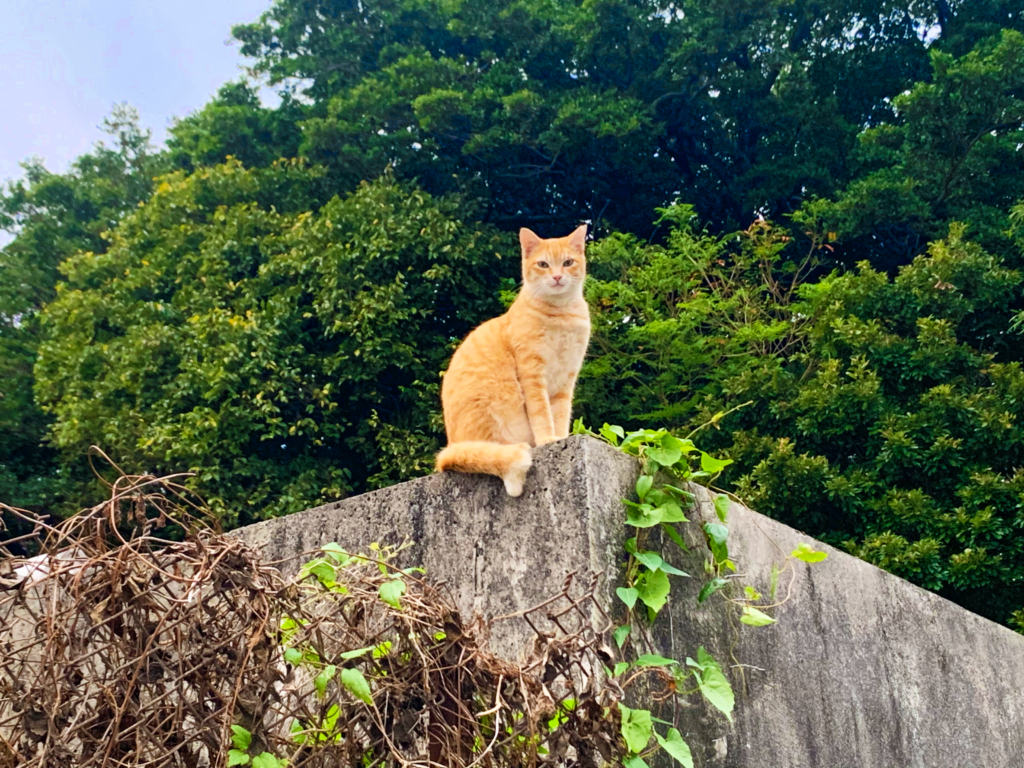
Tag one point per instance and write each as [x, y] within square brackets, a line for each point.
[544, 112]
[51, 216]
[881, 414]
[673, 323]
[953, 155]
[241, 739]
[898, 433]
[636, 727]
[663, 457]
[755, 618]
[283, 356]
[392, 591]
[356, 684]
[673, 744]
[234, 124]
[712, 682]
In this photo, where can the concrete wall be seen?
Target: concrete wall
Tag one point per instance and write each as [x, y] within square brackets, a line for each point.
[862, 669]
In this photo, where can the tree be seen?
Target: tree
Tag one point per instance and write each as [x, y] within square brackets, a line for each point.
[286, 356]
[51, 217]
[234, 124]
[605, 110]
[953, 155]
[673, 324]
[879, 414]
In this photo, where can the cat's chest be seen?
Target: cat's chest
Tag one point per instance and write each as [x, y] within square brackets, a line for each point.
[563, 348]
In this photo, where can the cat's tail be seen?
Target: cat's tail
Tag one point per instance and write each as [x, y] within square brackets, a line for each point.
[509, 462]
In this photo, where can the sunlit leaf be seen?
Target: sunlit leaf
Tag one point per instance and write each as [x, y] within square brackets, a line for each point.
[628, 595]
[808, 554]
[722, 506]
[710, 464]
[620, 634]
[718, 536]
[323, 678]
[755, 618]
[643, 485]
[336, 553]
[636, 727]
[713, 684]
[240, 737]
[354, 681]
[653, 588]
[391, 591]
[673, 744]
[653, 660]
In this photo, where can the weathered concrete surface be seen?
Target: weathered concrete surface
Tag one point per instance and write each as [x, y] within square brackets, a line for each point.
[862, 670]
[498, 555]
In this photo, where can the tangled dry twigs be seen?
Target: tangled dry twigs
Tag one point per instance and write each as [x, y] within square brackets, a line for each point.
[121, 647]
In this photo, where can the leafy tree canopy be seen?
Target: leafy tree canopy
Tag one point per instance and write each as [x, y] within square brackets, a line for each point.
[954, 155]
[880, 414]
[51, 217]
[235, 124]
[284, 356]
[547, 112]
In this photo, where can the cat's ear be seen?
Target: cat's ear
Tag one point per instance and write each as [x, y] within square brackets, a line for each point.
[578, 239]
[529, 240]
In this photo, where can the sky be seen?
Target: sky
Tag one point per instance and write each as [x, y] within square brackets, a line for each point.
[65, 63]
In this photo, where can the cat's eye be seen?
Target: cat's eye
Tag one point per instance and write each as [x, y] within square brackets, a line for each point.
[567, 263]
[542, 264]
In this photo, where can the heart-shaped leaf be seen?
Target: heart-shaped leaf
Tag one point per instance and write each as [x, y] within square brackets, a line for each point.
[643, 515]
[652, 560]
[620, 634]
[321, 680]
[666, 457]
[240, 737]
[653, 588]
[628, 595]
[710, 464]
[722, 506]
[675, 746]
[808, 553]
[714, 685]
[636, 727]
[643, 485]
[391, 591]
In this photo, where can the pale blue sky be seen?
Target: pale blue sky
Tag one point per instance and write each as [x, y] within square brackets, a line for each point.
[63, 65]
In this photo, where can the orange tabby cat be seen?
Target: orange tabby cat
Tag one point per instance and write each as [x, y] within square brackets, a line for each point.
[510, 383]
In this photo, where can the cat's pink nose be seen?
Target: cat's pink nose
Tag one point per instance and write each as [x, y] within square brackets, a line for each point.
[558, 279]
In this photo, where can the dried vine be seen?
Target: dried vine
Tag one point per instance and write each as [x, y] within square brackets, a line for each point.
[121, 646]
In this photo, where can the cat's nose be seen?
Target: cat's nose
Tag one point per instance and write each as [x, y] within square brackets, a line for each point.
[558, 279]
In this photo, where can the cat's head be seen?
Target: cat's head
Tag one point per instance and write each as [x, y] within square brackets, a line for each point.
[554, 269]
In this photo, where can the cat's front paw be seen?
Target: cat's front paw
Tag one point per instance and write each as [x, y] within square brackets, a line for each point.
[545, 440]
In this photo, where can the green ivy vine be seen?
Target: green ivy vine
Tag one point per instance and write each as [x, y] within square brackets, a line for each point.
[668, 462]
